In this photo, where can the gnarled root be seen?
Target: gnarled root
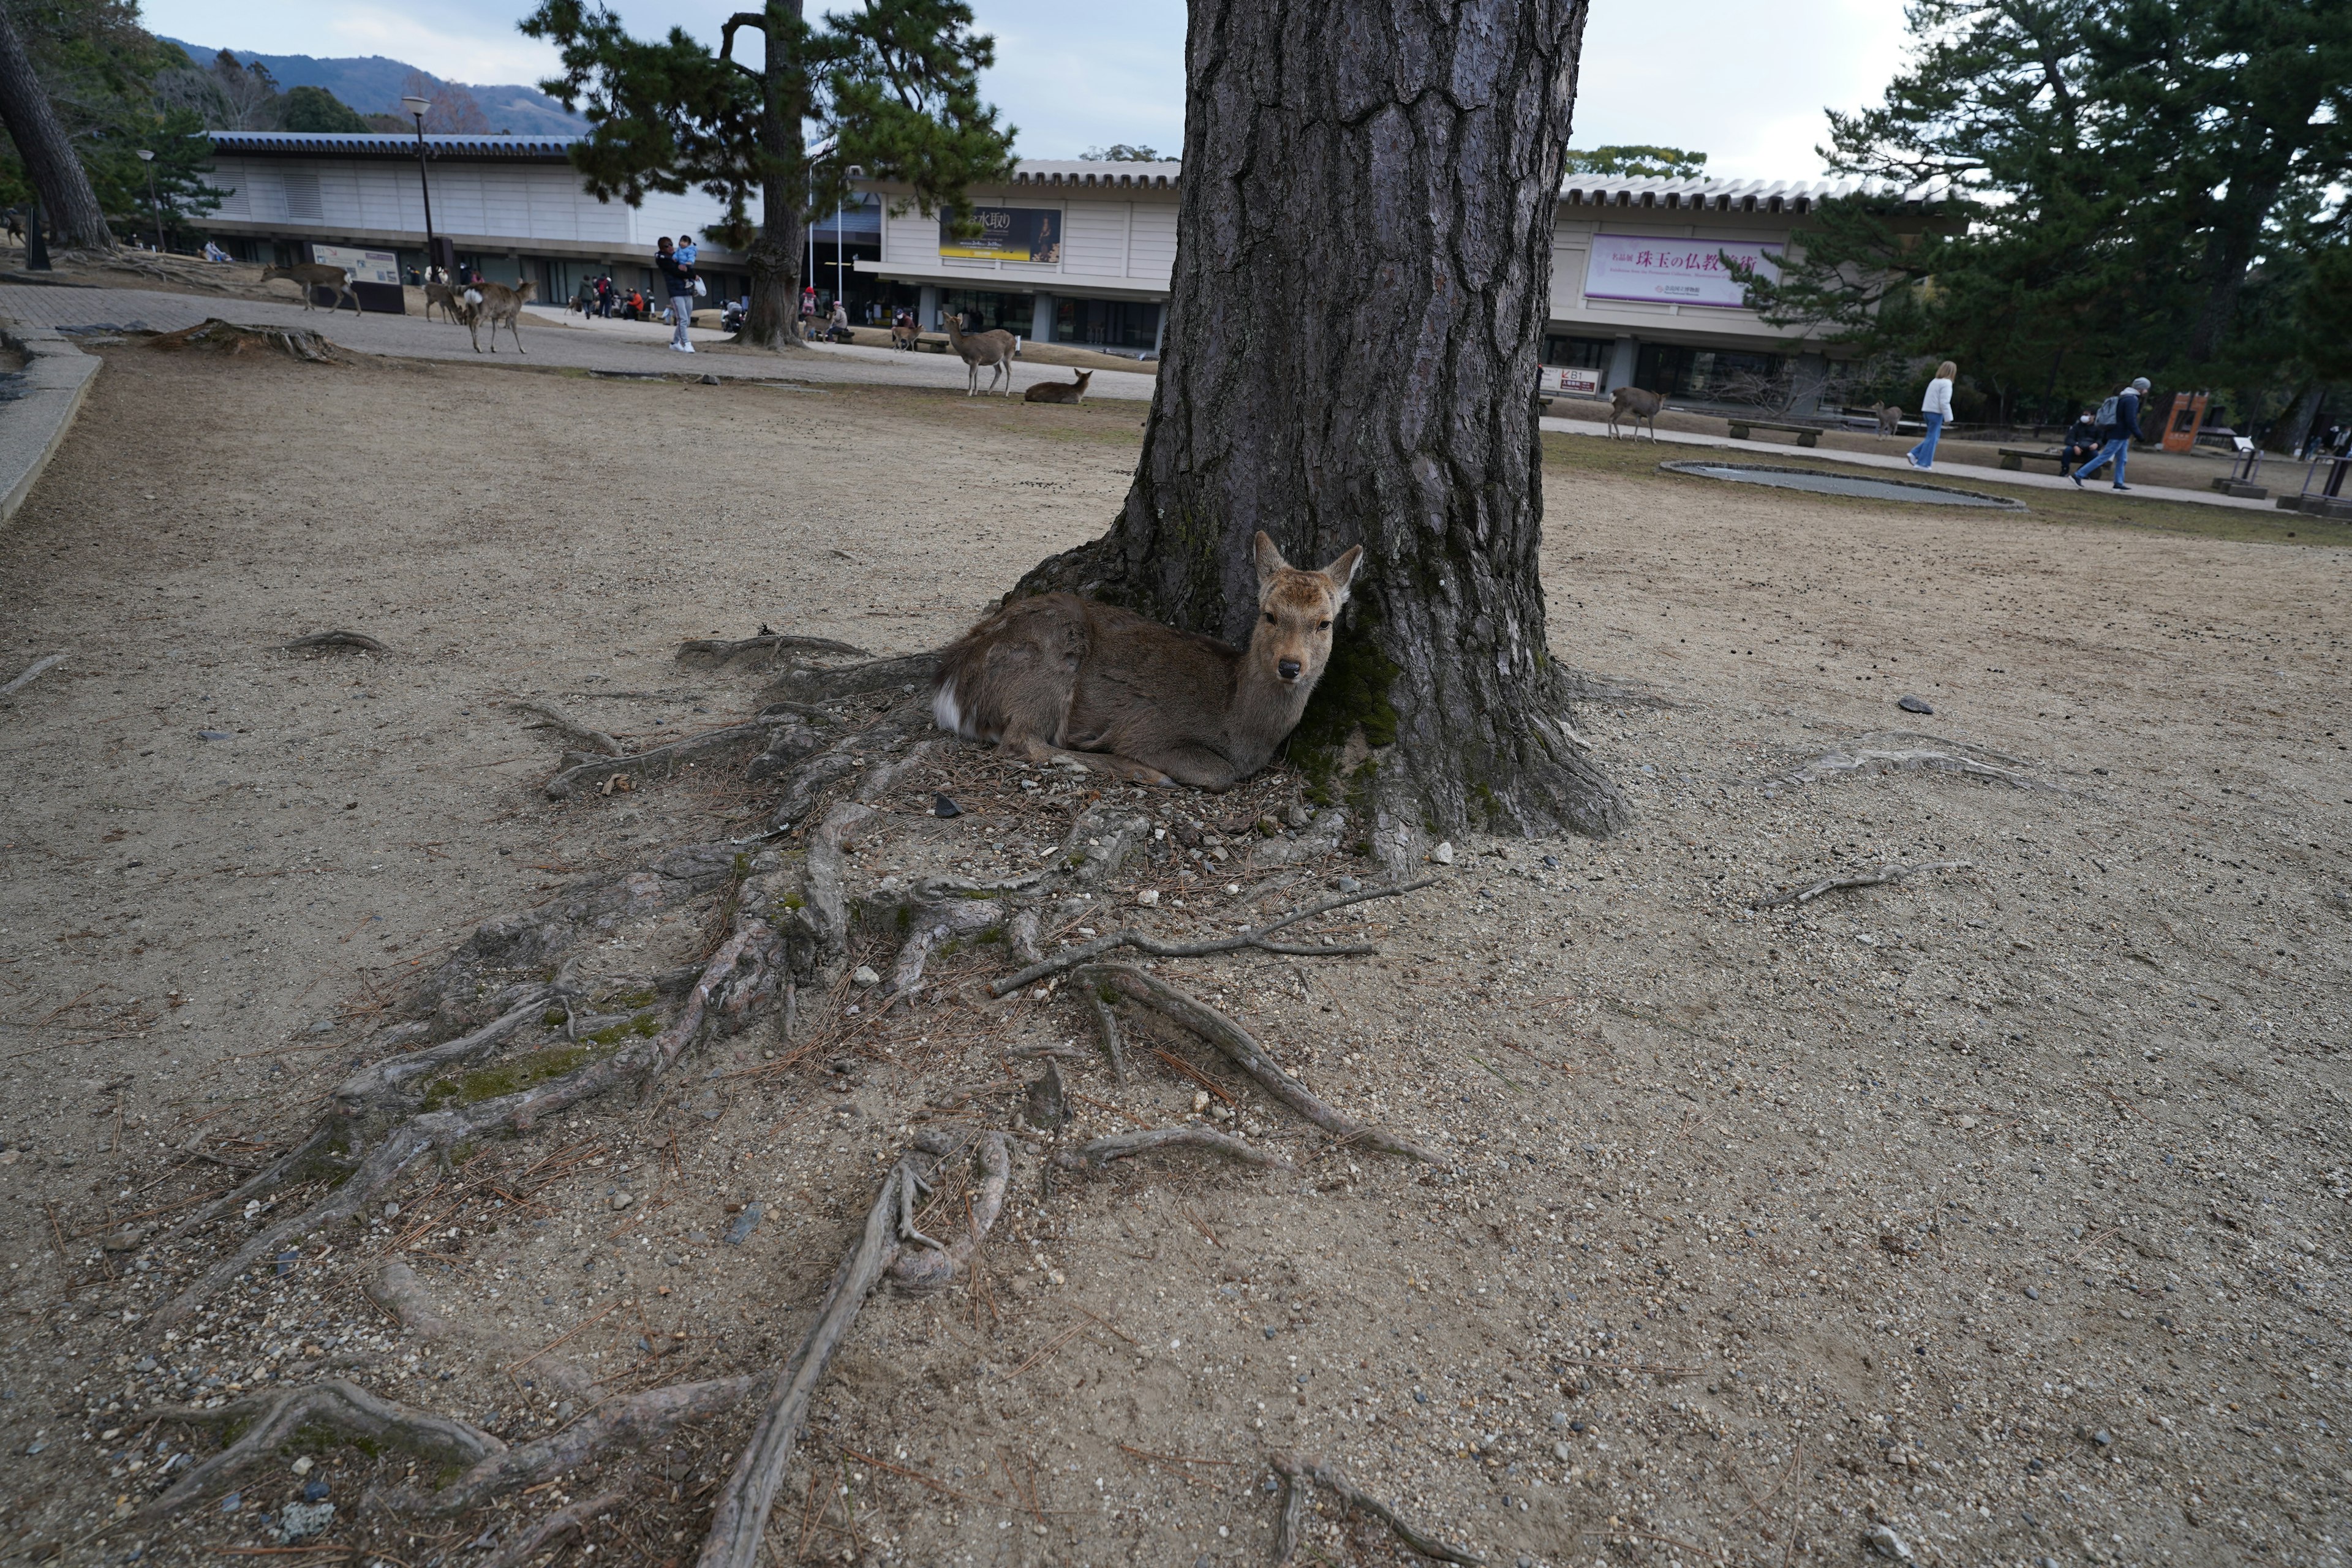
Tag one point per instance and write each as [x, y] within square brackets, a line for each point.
[743, 971]
[761, 651]
[761, 736]
[337, 1405]
[1299, 1476]
[574, 733]
[1101, 1152]
[555, 1529]
[919, 1270]
[397, 1290]
[813, 685]
[1245, 1053]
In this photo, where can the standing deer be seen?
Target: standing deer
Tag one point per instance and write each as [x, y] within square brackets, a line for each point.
[311, 274]
[992, 348]
[1890, 418]
[1059, 391]
[441, 294]
[1048, 676]
[495, 303]
[905, 335]
[1634, 402]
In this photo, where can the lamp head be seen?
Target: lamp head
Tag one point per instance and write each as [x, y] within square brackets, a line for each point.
[416, 105]
[145, 156]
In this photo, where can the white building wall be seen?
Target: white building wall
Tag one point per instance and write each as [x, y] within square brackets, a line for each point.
[1094, 237]
[1151, 250]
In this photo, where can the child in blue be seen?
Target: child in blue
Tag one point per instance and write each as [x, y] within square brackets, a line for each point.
[685, 249]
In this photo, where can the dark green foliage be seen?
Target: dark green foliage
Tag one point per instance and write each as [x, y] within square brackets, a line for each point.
[319, 112]
[1635, 162]
[2123, 176]
[893, 83]
[1121, 152]
[100, 66]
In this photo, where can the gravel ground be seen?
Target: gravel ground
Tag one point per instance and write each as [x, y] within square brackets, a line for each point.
[1997, 1211]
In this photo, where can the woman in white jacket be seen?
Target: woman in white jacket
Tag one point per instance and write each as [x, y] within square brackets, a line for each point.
[1933, 409]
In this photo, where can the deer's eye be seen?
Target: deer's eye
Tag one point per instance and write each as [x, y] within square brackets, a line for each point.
[1322, 626]
[1269, 617]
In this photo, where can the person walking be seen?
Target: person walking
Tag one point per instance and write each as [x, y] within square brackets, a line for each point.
[677, 280]
[2119, 422]
[1933, 409]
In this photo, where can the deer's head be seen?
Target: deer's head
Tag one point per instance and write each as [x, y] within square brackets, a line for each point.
[1292, 641]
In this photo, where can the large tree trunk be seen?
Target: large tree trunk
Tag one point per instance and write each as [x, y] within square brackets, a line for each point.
[57, 175]
[1362, 278]
[775, 259]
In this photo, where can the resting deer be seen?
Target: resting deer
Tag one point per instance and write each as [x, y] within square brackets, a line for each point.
[494, 303]
[311, 274]
[992, 348]
[441, 294]
[1059, 391]
[1632, 401]
[1049, 675]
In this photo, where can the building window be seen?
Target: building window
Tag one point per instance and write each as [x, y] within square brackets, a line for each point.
[1578, 354]
[1105, 324]
[1698, 373]
[987, 310]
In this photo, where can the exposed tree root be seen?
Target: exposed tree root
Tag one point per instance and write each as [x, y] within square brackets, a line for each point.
[718, 653]
[919, 1270]
[1107, 1028]
[1869, 760]
[1245, 1053]
[268, 1420]
[1253, 936]
[1878, 879]
[333, 639]
[1100, 1152]
[742, 971]
[574, 734]
[809, 684]
[786, 734]
[554, 1529]
[397, 1290]
[228, 338]
[1299, 1476]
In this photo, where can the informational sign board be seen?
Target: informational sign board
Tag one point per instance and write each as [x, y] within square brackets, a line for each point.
[376, 278]
[1007, 234]
[1668, 271]
[1569, 381]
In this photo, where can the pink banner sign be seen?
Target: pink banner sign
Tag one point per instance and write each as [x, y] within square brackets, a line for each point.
[1668, 271]
[1567, 380]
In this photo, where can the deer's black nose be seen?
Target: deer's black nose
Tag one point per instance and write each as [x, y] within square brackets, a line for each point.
[1289, 668]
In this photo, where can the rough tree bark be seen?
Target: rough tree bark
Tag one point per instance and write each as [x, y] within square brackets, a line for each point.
[774, 260]
[68, 204]
[1362, 278]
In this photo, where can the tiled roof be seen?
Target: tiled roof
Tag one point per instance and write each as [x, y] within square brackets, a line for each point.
[1728, 195]
[349, 144]
[1160, 176]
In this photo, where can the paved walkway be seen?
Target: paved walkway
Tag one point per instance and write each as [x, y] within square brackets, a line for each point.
[1956, 474]
[547, 339]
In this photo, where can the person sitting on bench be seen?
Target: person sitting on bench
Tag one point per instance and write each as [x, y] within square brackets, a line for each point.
[2082, 442]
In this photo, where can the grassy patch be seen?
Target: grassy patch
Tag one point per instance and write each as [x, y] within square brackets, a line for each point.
[1567, 455]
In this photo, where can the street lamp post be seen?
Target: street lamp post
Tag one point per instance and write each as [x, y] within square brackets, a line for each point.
[155, 202]
[416, 107]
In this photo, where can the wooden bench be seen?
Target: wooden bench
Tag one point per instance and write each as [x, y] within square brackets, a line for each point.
[2016, 457]
[1806, 434]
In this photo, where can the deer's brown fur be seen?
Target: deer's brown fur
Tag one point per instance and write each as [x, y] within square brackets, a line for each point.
[1634, 403]
[311, 274]
[496, 303]
[1053, 675]
[994, 349]
[1059, 391]
[441, 294]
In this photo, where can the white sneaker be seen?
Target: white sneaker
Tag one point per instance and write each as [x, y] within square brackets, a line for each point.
[686, 348]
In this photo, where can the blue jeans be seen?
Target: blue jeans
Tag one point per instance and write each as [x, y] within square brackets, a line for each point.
[1924, 453]
[2118, 449]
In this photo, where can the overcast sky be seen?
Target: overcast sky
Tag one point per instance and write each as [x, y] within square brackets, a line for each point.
[1742, 82]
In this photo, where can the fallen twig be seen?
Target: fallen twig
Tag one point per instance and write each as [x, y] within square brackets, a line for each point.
[557, 1526]
[1880, 877]
[552, 718]
[1249, 936]
[1101, 1152]
[333, 639]
[33, 672]
[1298, 1475]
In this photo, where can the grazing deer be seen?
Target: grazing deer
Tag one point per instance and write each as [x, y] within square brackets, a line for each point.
[1056, 674]
[906, 335]
[309, 275]
[1059, 391]
[495, 303]
[1890, 418]
[1634, 403]
[993, 348]
[441, 294]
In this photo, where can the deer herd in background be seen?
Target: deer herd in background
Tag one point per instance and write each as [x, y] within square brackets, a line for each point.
[472, 305]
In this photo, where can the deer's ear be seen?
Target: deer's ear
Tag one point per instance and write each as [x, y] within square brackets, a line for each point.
[1342, 572]
[1269, 561]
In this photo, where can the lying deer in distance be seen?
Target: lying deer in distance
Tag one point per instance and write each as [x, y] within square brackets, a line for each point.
[312, 275]
[1059, 391]
[496, 303]
[995, 349]
[1053, 675]
[1631, 402]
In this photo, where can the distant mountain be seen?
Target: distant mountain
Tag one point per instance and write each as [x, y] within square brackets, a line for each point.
[371, 85]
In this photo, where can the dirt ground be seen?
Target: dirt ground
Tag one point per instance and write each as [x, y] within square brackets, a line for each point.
[1999, 1211]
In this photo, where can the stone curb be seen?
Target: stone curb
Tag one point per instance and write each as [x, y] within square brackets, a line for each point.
[57, 376]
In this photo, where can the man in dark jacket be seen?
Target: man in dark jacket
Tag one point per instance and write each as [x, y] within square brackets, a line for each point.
[2082, 438]
[2121, 423]
[678, 281]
